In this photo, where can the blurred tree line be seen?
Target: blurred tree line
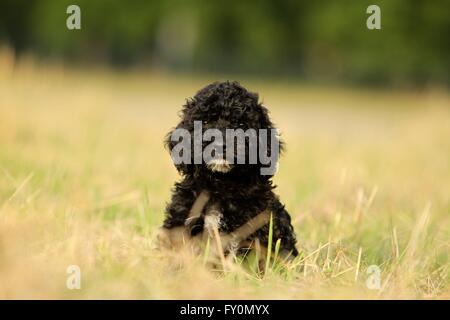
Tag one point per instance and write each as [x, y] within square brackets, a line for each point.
[322, 40]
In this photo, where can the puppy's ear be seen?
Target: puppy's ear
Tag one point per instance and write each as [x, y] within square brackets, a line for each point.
[275, 145]
[266, 123]
[281, 144]
[168, 143]
[183, 167]
[264, 118]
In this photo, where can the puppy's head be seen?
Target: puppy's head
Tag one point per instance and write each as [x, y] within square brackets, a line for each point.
[227, 110]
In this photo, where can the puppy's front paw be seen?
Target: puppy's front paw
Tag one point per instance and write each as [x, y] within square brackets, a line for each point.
[194, 225]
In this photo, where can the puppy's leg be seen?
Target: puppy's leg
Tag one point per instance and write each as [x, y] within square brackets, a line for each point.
[194, 222]
[177, 211]
[283, 230]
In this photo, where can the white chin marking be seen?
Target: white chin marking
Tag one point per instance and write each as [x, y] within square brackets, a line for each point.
[219, 165]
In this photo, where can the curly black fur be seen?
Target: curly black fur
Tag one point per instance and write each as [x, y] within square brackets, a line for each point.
[241, 193]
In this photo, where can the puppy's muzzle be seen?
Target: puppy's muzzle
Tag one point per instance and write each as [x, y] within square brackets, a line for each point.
[219, 165]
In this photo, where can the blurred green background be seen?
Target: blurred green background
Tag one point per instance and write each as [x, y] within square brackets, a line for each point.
[84, 176]
[325, 41]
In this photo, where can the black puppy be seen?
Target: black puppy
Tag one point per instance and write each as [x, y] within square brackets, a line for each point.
[236, 192]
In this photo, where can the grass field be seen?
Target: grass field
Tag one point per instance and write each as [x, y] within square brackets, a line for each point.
[84, 179]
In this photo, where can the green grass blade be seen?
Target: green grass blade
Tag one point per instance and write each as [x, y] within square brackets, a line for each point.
[269, 244]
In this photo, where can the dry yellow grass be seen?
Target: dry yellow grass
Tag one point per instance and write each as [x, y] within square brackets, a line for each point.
[84, 179]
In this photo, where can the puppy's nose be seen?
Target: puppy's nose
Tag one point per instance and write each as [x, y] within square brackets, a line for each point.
[219, 165]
